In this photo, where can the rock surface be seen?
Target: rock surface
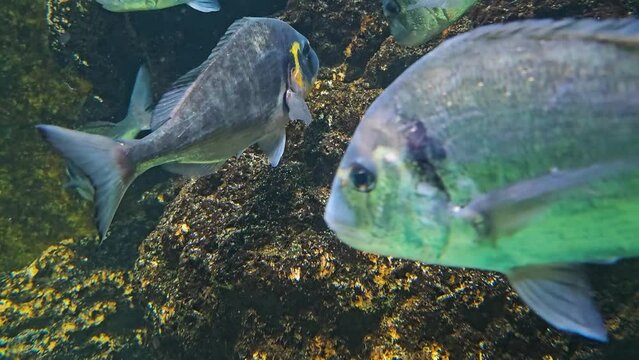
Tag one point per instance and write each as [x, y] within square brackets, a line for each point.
[241, 264]
[36, 211]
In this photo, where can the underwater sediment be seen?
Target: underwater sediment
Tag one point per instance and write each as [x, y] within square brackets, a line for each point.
[241, 264]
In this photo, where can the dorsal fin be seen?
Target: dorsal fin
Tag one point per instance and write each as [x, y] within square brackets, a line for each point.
[170, 100]
[164, 109]
[621, 31]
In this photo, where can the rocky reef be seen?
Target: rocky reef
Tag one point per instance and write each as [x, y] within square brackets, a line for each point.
[36, 212]
[241, 264]
[77, 300]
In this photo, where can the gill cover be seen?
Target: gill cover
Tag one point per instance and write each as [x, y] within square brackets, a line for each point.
[297, 89]
[296, 77]
[397, 215]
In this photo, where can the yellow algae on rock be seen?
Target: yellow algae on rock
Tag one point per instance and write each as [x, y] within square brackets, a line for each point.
[387, 352]
[381, 276]
[182, 229]
[363, 297]
[295, 274]
[51, 345]
[435, 351]
[68, 327]
[326, 266]
[322, 348]
[166, 313]
[101, 338]
[55, 306]
[258, 355]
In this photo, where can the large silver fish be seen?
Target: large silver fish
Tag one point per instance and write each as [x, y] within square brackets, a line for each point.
[141, 5]
[251, 85]
[414, 22]
[138, 118]
[511, 148]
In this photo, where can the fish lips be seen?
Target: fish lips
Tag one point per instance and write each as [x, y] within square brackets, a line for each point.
[338, 215]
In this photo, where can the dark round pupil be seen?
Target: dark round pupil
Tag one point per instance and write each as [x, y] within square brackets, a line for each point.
[392, 7]
[362, 179]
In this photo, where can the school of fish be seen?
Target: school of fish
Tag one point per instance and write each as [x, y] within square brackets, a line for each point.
[511, 148]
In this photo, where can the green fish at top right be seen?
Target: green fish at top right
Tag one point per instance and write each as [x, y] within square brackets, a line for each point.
[414, 22]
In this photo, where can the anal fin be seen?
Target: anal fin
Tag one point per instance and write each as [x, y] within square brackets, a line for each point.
[560, 294]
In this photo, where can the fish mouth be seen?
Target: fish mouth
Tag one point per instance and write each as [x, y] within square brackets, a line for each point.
[338, 215]
[341, 219]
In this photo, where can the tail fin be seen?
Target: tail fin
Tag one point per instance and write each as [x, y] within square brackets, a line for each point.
[105, 161]
[138, 117]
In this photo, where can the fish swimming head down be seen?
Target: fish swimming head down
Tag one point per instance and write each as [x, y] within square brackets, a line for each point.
[414, 22]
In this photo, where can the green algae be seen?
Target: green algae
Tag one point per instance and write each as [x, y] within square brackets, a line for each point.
[37, 212]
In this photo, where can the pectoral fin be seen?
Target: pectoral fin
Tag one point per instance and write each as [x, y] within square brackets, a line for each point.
[192, 170]
[297, 108]
[504, 211]
[561, 296]
[273, 145]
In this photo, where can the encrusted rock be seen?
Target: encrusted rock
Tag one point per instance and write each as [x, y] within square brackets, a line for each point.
[258, 275]
[241, 264]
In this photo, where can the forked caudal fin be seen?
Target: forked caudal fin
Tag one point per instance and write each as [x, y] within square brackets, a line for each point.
[103, 160]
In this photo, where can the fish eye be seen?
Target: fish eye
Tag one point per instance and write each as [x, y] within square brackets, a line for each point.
[391, 7]
[362, 179]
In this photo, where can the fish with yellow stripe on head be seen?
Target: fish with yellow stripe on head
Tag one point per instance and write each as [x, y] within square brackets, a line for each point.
[252, 84]
[296, 73]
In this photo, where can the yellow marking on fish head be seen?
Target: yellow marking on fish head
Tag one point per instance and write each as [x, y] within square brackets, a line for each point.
[296, 72]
